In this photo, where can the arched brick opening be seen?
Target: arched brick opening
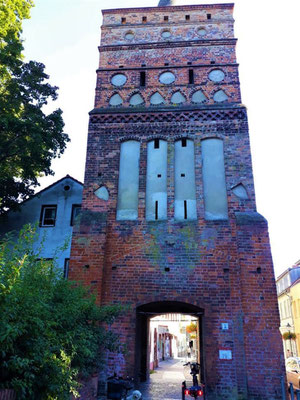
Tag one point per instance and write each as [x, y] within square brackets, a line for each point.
[143, 315]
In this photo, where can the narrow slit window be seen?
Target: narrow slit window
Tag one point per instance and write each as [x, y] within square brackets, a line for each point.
[156, 143]
[123, 20]
[183, 142]
[191, 76]
[185, 209]
[143, 78]
[156, 210]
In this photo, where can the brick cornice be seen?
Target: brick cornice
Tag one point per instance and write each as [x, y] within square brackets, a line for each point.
[162, 45]
[216, 65]
[169, 8]
[165, 114]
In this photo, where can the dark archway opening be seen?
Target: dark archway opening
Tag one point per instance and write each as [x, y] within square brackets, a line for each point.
[144, 314]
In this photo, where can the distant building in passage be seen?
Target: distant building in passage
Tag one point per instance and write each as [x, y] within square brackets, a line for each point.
[54, 209]
[288, 292]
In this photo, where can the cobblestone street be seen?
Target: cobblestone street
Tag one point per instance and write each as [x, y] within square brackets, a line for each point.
[165, 382]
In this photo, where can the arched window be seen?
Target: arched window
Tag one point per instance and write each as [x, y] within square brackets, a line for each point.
[156, 189]
[213, 170]
[128, 191]
[185, 189]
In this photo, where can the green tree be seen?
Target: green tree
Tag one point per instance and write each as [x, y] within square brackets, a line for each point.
[29, 138]
[50, 328]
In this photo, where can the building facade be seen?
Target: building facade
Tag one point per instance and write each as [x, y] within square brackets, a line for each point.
[169, 221]
[53, 210]
[288, 292]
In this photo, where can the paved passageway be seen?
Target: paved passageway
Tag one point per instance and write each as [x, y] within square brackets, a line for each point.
[165, 382]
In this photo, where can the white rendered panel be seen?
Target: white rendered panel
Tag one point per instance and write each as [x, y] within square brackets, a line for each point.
[185, 189]
[213, 170]
[128, 191]
[156, 189]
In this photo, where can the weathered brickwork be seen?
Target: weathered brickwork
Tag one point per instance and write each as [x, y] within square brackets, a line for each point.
[221, 268]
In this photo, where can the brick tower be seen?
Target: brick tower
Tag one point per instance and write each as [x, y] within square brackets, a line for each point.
[169, 221]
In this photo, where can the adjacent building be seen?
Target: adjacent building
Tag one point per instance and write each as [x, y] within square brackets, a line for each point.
[288, 292]
[53, 210]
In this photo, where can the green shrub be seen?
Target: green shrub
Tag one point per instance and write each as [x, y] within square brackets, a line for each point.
[50, 328]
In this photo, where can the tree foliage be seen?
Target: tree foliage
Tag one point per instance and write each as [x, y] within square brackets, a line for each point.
[12, 12]
[49, 327]
[29, 138]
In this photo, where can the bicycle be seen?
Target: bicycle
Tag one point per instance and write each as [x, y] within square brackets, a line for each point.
[118, 388]
[196, 390]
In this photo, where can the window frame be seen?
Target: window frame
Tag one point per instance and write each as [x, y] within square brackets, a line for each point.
[66, 267]
[42, 216]
[74, 206]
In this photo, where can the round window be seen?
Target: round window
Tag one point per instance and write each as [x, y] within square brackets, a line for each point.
[217, 75]
[201, 32]
[167, 78]
[129, 35]
[118, 80]
[166, 34]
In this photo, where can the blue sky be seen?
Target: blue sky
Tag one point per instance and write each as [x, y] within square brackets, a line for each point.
[64, 35]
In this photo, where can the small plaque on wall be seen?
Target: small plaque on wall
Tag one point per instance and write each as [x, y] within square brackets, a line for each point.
[225, 354]
[224, 326]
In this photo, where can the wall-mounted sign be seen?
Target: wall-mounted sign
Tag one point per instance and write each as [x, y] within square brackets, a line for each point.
[225, 354]
[224, 326]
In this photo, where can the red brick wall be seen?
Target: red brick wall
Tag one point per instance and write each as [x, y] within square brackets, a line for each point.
[212, 264]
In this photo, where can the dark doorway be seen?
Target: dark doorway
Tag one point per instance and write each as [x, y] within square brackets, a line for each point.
[150, 310]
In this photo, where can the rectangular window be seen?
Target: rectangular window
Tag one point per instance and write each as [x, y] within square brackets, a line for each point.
[156, 180]
[66, 268]
[75, 213]
[123, 20]
[128, 189]
[185, 188]
[143, 78]
[48, 215]
[144, 19]
[214, 183]
[187, 17]
[166, 18]
[208, 16]
[191, 76]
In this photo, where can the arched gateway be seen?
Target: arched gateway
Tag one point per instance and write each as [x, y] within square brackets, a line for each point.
[143, 315]
[169, 219]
